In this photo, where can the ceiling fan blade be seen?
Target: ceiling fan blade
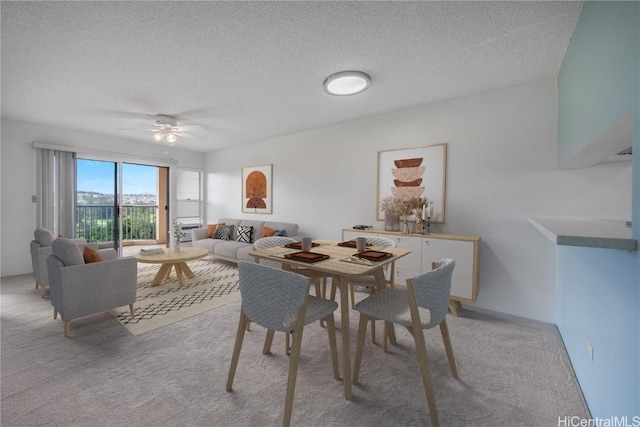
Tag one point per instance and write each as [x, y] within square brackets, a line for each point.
[191, 135]
[137, 129]
[190, 127]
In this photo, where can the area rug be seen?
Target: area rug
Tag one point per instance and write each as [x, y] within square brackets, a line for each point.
[215, 284]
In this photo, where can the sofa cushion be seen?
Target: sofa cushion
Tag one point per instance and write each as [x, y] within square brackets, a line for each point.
[292, 229]
[67, 251]
[229, 249]
[244, 233]
[211, 229]
[207, 244]
[243, 254]
[280, 233]
[43, 236]
[224, 232]
[268, 232]
[90, 255]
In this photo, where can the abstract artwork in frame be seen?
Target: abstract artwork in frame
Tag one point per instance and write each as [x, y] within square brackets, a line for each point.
[257, 193]
[411, 173]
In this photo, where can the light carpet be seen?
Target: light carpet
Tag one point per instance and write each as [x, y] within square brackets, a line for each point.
[513, 372]
[215, 284]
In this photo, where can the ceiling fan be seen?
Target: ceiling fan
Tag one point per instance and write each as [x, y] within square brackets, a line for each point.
[167, 129]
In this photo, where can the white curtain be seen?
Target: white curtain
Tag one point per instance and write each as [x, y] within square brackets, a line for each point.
[56, 191]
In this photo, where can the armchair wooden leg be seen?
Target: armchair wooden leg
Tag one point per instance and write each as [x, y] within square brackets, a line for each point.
[36, 284]
[242, 326]
[43, 291]
[55, 313]
[362, 331]
[268, 340]
[444, 330]
[67, 324]
[132, 310]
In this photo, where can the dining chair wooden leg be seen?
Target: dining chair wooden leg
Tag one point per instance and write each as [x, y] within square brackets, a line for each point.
[67, 325]
[373, 331]
[331, 331]
[334, 288]
[392, 334]
[287, 344]
[242, 326]
[132, 310]
[293, 368]
[444, 330]
[352, 291]
[362, 331]
[421, 349]
[268, 340]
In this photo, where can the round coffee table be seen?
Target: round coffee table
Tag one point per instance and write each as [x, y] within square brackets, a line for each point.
[175, 258]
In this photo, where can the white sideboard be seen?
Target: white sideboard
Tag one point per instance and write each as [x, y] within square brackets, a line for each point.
[427, 248]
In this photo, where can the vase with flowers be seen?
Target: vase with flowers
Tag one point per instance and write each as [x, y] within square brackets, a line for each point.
[392, 209]
[178, 234]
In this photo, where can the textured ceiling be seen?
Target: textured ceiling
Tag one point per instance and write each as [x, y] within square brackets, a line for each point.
[246, 71]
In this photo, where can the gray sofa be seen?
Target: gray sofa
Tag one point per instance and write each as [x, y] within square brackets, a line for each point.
[231, 250]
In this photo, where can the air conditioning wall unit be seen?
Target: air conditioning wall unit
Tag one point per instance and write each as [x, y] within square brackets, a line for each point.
[186, 229]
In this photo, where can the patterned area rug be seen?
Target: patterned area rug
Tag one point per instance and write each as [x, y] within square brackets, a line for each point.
[215, 284]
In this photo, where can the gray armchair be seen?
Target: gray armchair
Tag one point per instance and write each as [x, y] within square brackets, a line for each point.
[78, 289]
[40, 248]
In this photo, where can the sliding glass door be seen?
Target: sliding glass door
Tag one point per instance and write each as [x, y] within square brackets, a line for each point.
[117, 203]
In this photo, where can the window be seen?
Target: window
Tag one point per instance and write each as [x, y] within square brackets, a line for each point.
[189, 196]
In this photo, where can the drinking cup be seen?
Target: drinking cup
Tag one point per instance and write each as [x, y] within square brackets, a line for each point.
[306, 244]
[361, 244]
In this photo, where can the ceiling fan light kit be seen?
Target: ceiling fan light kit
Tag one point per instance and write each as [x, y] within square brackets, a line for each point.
[347, 83]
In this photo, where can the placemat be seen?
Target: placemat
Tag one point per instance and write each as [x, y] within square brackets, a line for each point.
[307, 256]
[373, 255]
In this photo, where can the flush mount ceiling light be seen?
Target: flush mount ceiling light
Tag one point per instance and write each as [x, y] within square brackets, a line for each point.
[346, 83]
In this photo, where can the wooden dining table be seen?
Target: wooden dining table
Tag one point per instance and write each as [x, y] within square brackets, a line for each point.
[341, 265]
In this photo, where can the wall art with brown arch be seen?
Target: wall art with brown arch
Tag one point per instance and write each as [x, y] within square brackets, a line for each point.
[257, 190]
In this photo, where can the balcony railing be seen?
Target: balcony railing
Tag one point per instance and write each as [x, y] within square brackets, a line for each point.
[96, 222]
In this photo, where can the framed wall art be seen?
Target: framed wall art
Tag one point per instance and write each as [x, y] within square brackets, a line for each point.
[410, 173]
[257, 193]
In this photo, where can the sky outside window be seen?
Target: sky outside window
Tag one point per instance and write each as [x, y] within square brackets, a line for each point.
[97, 176]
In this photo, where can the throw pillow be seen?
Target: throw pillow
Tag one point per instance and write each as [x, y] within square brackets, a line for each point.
[281, 233]
[43, 236]
[211, 229]
[267, 232]
[91, 255]
[244, 234]
[67, 251]
[223, 232]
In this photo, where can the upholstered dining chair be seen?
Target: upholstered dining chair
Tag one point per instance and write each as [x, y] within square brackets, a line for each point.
[423, 305]
[40, 248]
[318, 280]
[78, 289]
[369, 282]
[279, 300]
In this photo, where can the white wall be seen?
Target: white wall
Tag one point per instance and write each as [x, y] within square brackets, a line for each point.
[18, 213]
[501, 170]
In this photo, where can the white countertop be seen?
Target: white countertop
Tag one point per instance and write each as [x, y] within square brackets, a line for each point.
[592, 233]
